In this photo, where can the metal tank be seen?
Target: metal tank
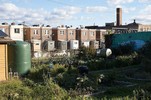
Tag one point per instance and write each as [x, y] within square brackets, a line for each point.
[19, 57]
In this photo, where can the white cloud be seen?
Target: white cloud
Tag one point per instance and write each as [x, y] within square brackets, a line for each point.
[95, 9]
[144, 19]
[118, 2]
[10, 12]
[65, 13]
[67, 10]
[147, 9]
[145, 15]
[85, 18]
[143, 1]
[128, 9]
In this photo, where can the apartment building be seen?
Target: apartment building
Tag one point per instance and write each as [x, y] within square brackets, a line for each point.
[92, 35]
[59, 33]
[34, 33]
[100, 35]
[71, 33]
[82, 34]
[46, 33]
[64, 33]
[16, 32]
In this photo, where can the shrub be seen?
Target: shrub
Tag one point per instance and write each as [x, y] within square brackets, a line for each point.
[118, 62]
[146, 54]
[14, 90]
[86, 53]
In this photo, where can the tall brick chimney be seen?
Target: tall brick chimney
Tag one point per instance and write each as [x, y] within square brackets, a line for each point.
[118, 16]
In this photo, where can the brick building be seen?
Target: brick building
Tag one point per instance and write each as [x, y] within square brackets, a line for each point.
[46, 33]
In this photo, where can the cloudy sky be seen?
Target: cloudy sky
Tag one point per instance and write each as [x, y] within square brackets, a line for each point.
[73, 12]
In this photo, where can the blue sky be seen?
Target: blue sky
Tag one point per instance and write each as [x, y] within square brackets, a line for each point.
[74, 12]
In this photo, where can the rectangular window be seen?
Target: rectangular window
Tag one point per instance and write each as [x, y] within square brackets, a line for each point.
[92, 33]
[37, 43]
[35, 31]
[71, 32]
[16, 30]
[46, 32]
[61, 32]
[84, 33]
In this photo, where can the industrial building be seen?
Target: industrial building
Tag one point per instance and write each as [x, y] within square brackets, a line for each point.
[118, 27]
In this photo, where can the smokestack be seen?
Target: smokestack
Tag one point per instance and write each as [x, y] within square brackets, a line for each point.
[118, 16]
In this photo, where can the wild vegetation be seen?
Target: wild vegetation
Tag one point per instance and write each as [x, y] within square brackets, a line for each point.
[122, 76]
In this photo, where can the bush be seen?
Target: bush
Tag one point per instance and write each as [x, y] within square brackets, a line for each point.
[14, 90]
[49, 91]
[146, 55]
[118, 62]
[86, 53]
[123, 49]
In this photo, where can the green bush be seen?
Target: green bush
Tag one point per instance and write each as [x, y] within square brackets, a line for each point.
[86, 53]
[57, 69]
[146, 55]
[14, 90]
[117, 62]
[123, 49]
[49, 91]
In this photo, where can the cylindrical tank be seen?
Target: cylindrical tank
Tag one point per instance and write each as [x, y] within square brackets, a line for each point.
[19, 57]
[104, 52]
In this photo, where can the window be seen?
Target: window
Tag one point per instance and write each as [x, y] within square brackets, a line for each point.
[37, 43]
[84, 33]
[72, 33]
[61, 32]
[16, 30]
[35, 31]
[46, 32]
[92, 33]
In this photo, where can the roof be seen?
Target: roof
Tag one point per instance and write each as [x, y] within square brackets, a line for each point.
[2, 34]
[134, 23]
[6, 40]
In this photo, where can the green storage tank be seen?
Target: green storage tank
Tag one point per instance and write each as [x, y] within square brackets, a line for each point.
[19, 57]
